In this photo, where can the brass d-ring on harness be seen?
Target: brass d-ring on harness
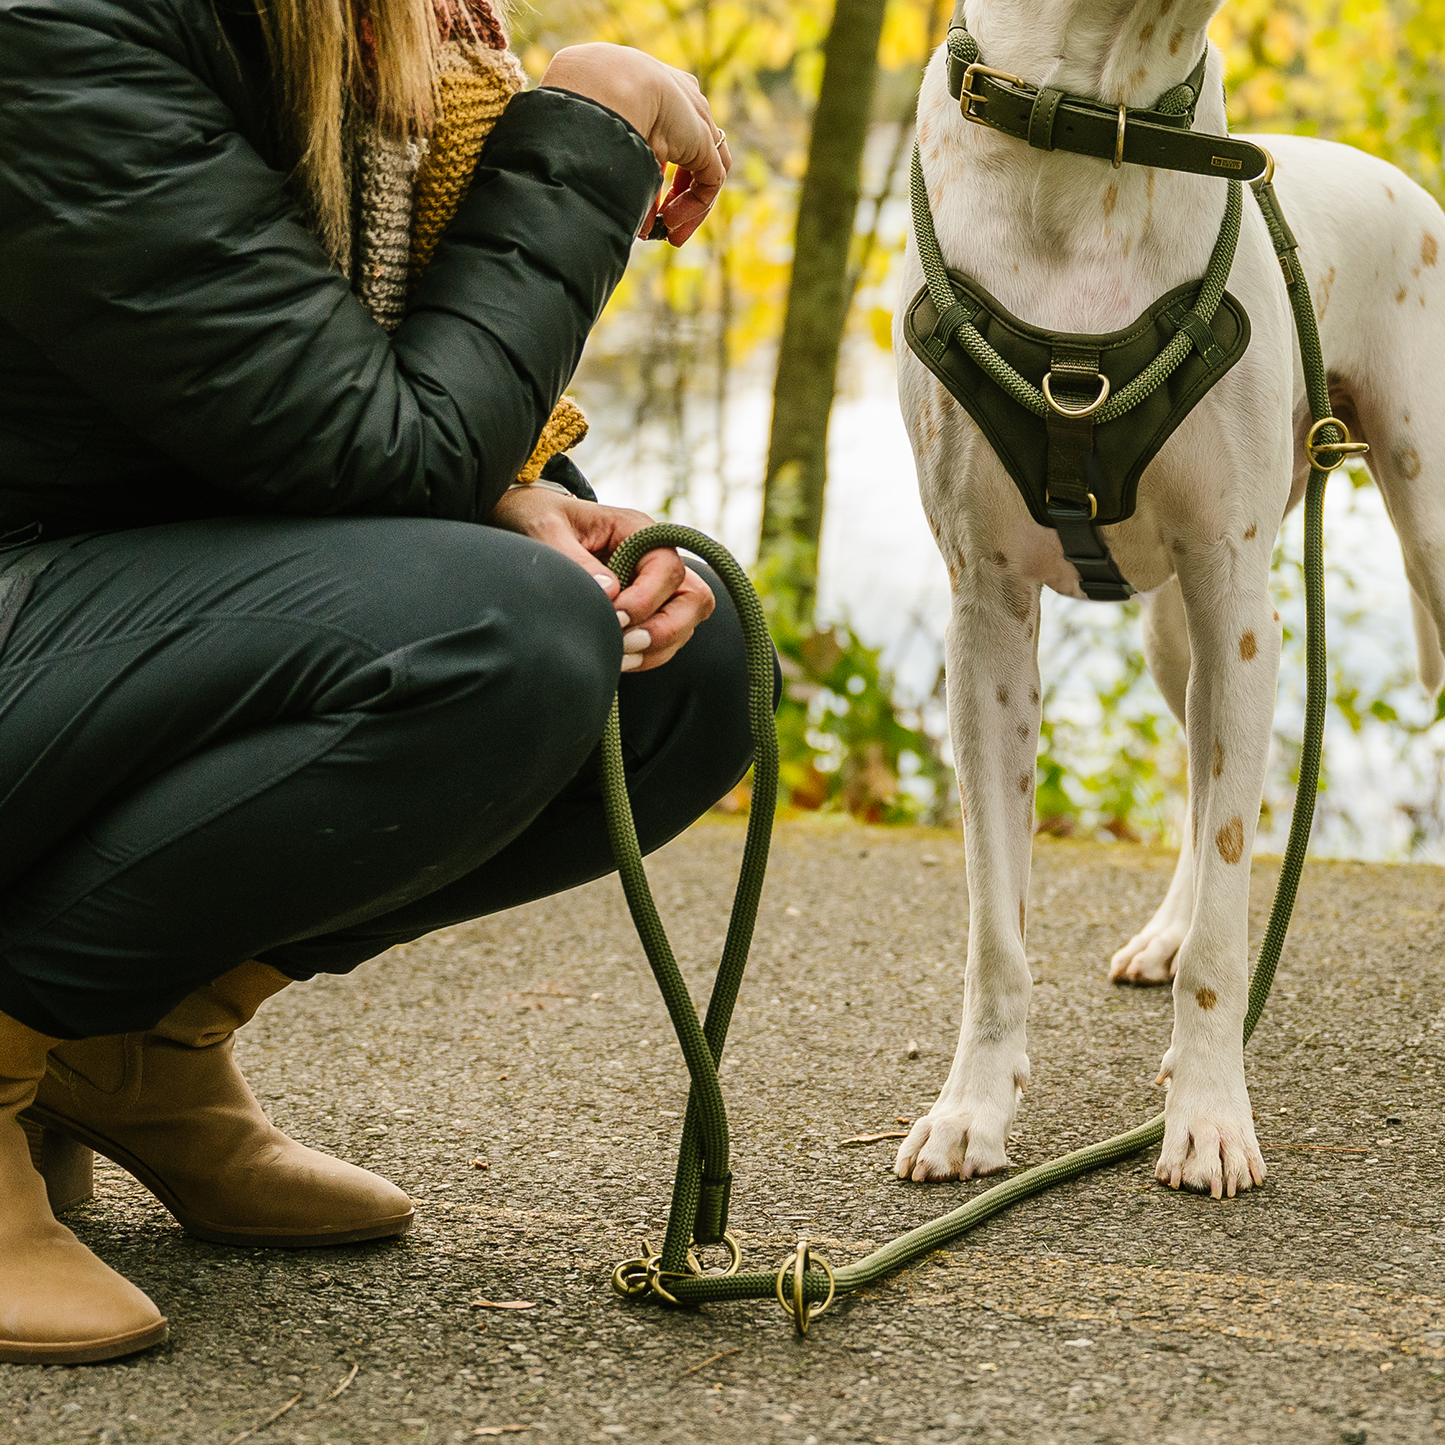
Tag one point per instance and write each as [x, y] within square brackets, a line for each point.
[966, 338]
[1087, 409]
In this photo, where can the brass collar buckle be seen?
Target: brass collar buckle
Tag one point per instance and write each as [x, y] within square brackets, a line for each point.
[969, 97]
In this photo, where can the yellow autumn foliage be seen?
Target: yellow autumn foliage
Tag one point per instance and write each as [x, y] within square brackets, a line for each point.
[1366, 72]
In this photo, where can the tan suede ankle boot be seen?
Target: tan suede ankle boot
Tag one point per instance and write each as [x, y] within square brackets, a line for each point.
[170, 1106]
[59, 1305]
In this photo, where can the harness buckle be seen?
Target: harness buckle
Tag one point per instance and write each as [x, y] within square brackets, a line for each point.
[1053, 511]
[968, 97]
[1075, 413]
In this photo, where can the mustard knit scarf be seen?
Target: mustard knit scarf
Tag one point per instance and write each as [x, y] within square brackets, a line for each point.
[405, 193]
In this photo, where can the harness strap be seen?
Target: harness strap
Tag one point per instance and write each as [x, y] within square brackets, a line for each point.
[1070, 494]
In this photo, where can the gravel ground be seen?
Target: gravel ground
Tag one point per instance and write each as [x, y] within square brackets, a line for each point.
[517, 1075]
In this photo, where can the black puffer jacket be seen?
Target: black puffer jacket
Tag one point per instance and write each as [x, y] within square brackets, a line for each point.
[173, 342]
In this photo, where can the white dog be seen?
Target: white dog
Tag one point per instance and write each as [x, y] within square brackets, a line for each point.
[1068, 242]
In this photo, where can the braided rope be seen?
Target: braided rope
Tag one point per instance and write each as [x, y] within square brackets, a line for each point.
[704, 1132]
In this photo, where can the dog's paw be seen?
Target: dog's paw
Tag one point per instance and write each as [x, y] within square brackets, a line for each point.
[1151, 956]
[964, 1133]
[1209, 1142]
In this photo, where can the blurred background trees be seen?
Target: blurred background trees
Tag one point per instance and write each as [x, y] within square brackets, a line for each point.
[786, 296]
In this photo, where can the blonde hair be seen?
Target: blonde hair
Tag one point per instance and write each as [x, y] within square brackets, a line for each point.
[323, 62]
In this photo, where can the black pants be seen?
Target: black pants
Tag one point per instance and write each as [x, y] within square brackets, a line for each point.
[307, 740]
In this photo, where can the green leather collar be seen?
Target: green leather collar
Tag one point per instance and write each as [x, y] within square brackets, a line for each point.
[1050, 120]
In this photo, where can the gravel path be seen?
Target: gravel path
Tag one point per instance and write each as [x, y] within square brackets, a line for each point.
[517, 1075]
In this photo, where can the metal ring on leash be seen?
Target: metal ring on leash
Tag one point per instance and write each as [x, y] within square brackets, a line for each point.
[630, 1278]
[729, 1242]
[1345, 447]
[643, 1274]
[799, 1261]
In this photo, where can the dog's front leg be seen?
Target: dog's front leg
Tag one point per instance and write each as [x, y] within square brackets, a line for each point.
[1234, 635]
[1149, 956]
[993, 700]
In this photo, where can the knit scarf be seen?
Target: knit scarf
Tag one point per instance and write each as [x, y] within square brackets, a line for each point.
[405, 191]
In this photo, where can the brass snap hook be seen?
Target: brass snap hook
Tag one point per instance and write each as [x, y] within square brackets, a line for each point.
[1345, 448]
[797, 1265]
[632, 1277]
[1076, 412]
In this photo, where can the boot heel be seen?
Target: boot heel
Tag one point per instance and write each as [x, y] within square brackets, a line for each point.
[67, 1168]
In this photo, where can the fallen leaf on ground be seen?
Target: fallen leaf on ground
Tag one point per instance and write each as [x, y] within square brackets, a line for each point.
[504, 1304]
[481, 1164]
[500, 1429]
[873, 1138]
[899, 1119]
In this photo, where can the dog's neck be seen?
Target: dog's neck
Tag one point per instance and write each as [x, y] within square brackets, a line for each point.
[1121, 52]
[1065, 241]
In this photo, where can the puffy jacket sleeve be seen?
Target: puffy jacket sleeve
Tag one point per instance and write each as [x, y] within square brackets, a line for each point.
[154, 257]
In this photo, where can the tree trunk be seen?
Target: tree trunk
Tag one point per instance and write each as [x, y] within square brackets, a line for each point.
[818, 297]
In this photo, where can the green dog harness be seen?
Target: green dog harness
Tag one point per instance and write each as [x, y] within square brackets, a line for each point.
[1075, 419]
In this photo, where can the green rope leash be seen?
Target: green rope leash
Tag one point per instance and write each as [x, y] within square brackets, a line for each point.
[701, 1192]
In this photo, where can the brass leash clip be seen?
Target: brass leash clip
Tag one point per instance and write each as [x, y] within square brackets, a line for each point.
[644, 1274]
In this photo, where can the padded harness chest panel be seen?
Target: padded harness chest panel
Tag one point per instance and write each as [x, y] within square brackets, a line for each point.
[1123, 447]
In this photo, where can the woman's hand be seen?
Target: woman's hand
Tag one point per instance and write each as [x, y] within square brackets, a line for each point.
[665, 601]
[666, 107]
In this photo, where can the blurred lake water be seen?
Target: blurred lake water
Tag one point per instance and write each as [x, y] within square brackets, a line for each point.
[880, 570]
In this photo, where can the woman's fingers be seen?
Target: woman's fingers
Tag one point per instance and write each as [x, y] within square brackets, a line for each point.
[659, 574]
[668, 629]
[659, 608]
[693, 141]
